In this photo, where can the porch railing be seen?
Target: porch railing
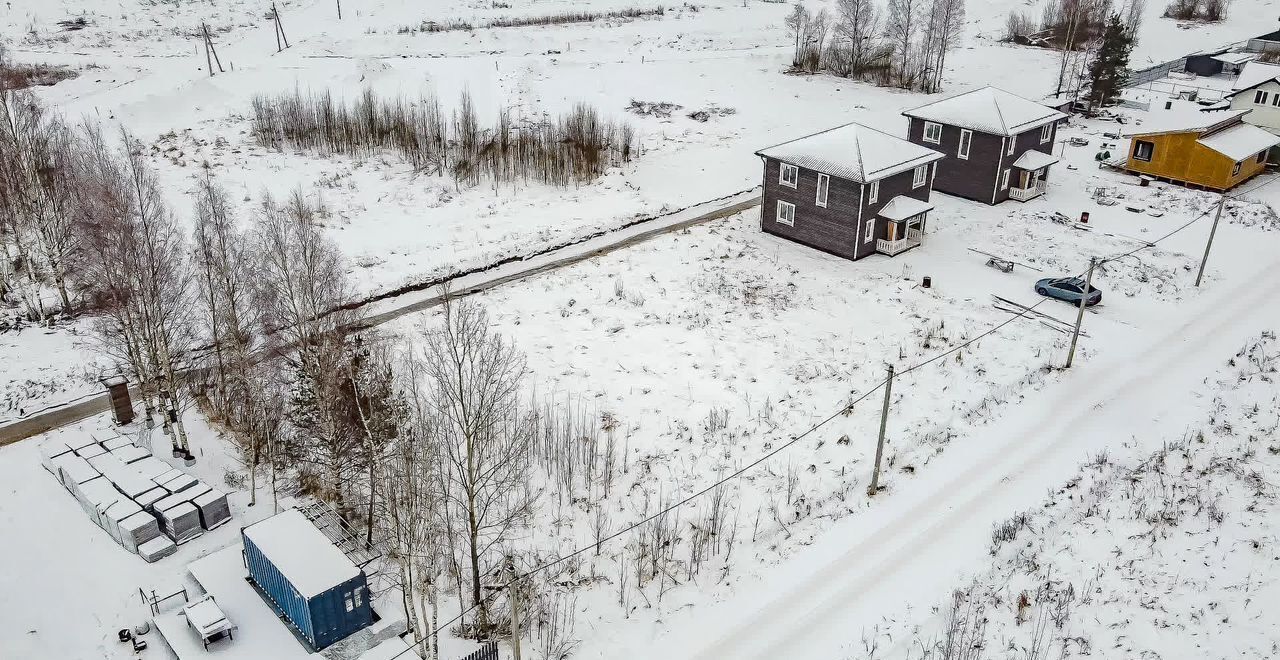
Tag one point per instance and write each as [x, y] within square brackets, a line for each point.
[1030, 192]
[892, 248]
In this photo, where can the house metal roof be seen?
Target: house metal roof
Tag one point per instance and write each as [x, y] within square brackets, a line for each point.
[1032, 159]
[1240, 141]
[902, 207]
[988, 110]
[852, 152]
[1185, 118]
[1254, 74]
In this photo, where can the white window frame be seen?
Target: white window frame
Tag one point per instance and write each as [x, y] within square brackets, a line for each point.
[870, 231]
[932, 127]
[1046, 133]
[1260, 97]
[873, 194]
[1004, 179]
[824, 184]
[1013, 141]
[786, 169]
[919, 176]
[1275, 100]
[780, 219]
[966, 141]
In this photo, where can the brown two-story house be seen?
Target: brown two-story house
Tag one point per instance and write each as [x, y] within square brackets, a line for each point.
[999, 145]
[850, 190]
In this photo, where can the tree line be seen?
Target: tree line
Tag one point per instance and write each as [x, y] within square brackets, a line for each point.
[438, 449]
[570, 149]
[904, 44]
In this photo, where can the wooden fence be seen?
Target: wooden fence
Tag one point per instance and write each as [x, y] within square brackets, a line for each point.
[487, 652]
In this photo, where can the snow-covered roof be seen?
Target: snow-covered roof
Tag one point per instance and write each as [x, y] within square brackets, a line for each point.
[1234, 58]
[853, 152]
[1240, 141]
[1184, 118]
[206, 617]
[902, 207]
[1033, 159]
[1254, 74]
[988, 110]
[302, 553]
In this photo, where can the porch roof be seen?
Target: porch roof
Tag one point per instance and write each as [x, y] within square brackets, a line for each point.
[1032, 159]
[902, 207]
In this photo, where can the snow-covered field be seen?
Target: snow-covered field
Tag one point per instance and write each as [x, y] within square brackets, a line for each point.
[1169, 554]
[702, 350]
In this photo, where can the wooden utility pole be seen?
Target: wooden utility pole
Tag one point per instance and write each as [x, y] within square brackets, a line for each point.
[884, 420]
[1222, 202]
[279, 29]
[1075, 336]
[209, 51]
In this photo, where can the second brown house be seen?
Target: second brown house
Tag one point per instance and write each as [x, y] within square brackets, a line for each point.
[852, 191]
[999, 145]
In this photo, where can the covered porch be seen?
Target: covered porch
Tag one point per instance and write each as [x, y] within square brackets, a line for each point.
[904, 228]
[1029, 174]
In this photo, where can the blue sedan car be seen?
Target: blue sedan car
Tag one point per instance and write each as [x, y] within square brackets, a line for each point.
[1069, 289]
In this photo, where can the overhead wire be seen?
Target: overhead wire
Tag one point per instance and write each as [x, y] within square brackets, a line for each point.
[845, 409]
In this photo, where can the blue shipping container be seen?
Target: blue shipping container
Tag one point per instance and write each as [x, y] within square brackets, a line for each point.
[306, 578]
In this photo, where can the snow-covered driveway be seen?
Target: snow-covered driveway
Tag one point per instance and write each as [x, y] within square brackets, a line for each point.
[913, 545]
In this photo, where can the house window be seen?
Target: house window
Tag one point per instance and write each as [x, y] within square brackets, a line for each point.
[349, 604]
[787, 213]
[1275, 100]
[966, 136]
[358, 598]
[1235, 170]
[1046, 133]
[932, 132]
[1260, 97]
[869, 231]
[1013, 140]
[1142, 150]
[824, 182]
[918, 176]
[1004, 180]
[874, 194]
[788, 175]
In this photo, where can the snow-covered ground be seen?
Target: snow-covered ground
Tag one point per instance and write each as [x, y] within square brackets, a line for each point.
[1166, 554]
[698, 351]
[47, 366]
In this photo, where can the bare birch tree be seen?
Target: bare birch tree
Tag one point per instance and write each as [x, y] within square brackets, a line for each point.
[474, 377]
[901, 27]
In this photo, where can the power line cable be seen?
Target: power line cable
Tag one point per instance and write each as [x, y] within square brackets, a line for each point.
[774, 452]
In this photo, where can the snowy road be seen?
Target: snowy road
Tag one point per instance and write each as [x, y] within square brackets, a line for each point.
[913, 545]
[482, 279]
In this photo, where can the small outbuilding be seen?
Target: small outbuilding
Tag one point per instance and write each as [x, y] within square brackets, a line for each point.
[1210, 150]
[1257, 91]
[852, 191]
[305, 577]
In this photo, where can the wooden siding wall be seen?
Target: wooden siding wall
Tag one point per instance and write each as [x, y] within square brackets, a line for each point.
[1178, 156]
[1026, 141]
[974, 178]
[833, 229]
[978, 178]
[830, 229]
[890, 187]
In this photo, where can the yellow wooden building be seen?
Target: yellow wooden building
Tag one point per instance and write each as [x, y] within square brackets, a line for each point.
[1208, 149]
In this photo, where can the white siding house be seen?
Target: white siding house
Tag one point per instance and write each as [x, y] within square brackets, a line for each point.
[1258, 89]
